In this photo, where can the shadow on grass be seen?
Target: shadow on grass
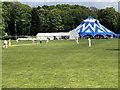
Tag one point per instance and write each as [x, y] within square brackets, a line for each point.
[113, 49]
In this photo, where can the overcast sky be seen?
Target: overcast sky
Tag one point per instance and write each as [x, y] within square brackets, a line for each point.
[88, 3]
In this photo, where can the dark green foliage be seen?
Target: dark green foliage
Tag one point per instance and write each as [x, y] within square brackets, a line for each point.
[63, 17]
[11, 37]
[118, 23]
[16, 12]
[55, 18]
[35, 22]
[108, 17]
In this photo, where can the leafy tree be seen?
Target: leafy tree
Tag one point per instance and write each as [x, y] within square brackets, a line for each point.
[55, 18]
[35, 22]
[94, 9]
[108, 18]
[6, 9]
[44, 20]
[118, 23]
[16, 12]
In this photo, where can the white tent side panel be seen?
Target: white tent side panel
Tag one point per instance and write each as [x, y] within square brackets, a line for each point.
[51, 35]
[73, 35]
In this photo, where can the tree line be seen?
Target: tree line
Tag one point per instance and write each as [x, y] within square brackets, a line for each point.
[55, 18]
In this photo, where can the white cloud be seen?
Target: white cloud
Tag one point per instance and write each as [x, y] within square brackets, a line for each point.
[84, 0]
[40, 0]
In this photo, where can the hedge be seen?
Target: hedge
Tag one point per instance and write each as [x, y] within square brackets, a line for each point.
[11, 37]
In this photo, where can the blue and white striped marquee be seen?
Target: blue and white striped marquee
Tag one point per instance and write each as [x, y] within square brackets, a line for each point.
[91, 26]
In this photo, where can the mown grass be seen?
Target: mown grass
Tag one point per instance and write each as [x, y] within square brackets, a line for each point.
[61, 64]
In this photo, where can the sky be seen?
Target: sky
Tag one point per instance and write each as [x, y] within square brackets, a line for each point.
[100, 4]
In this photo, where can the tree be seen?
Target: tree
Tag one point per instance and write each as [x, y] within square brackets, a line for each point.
[55, 20]
[94, 9]
[35, 22]
[44, 20]
[118, 24]
[108, 18]
[16, 12]
[6, 9]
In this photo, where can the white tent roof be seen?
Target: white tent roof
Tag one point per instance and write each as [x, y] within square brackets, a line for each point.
[54, 34]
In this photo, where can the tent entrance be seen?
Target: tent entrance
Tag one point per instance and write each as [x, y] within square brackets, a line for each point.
[88, 36]
[99, 36]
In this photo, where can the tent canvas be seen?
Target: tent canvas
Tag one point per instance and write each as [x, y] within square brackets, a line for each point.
[51, 36]
[74, 34]
[91, 26]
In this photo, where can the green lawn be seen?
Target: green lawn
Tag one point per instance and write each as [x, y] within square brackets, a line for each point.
[61, 64]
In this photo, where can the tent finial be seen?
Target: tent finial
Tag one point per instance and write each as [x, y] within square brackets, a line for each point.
[90, 17]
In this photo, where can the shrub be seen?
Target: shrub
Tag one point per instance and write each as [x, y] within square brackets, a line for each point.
[11, 37]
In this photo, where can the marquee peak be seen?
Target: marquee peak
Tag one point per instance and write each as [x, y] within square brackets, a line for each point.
[90, 17]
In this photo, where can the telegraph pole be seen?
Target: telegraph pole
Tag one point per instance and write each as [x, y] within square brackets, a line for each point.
[15, 30]
[15, 23]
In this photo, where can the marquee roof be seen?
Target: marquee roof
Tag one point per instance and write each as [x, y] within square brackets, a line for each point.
[91, 26]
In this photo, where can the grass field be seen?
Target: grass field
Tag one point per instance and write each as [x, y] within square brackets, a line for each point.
[61, 64]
